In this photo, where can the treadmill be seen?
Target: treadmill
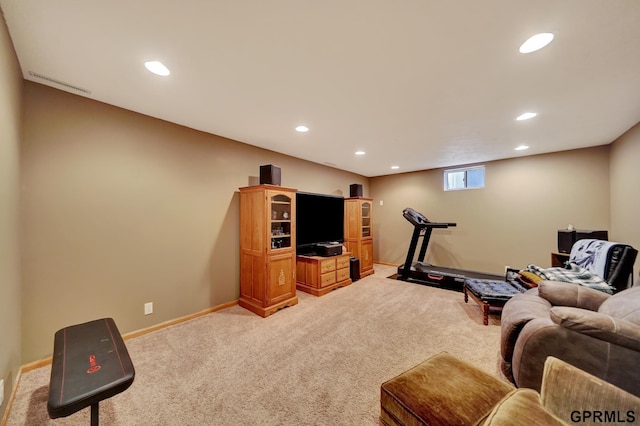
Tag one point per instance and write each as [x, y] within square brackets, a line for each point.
[425, 273]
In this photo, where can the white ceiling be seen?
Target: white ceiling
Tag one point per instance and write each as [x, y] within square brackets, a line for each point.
[416, 83]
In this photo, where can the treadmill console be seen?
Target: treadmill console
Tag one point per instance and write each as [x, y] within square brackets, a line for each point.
[414, 217]
[418, 220]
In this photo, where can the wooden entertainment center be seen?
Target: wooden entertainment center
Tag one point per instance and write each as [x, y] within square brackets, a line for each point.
[319, 275]
[270, 271]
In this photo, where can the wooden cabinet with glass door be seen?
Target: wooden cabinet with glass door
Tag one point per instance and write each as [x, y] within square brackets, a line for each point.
[267, 248]
[358, 231]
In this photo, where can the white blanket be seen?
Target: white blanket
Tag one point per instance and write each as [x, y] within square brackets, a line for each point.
[592, 255]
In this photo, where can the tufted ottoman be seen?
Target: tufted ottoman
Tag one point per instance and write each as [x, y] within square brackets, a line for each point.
[490, 294]
[442, 390]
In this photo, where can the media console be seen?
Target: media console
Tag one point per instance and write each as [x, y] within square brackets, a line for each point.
[319, 275]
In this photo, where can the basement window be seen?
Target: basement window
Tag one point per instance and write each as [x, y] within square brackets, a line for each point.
[464, 178]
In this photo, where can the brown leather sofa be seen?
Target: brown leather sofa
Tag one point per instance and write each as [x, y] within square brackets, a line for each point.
[594, 331]
[445, 390]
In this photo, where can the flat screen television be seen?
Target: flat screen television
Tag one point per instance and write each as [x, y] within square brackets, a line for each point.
[319, 219]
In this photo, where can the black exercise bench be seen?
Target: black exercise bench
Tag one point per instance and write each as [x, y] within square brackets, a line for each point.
[90, 363]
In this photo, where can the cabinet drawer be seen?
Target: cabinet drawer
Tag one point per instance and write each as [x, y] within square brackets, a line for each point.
[342, 262]
[327, 279]
[343, 274]
[327, 266]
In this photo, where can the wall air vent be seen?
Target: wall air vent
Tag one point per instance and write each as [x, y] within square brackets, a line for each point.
[59, 83]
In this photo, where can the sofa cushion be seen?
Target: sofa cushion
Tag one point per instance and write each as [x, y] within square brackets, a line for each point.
[521, 407]
[569, 393]
[624, 305]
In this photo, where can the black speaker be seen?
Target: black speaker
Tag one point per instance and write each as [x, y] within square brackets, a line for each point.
[354, 268]
[270, 174]
[566, 238]
[355, 190]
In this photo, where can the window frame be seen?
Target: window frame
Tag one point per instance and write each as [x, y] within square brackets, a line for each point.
[447, 172]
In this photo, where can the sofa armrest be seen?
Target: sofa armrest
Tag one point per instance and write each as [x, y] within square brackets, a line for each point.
[568, 392]
[516, 314]
[599, 326]
[566, 294]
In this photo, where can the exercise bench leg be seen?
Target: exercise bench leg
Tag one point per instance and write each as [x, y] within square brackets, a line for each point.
[95, 414]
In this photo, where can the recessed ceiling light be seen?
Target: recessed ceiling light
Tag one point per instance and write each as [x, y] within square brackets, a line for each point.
[157, 68]
[395, 167]
[536, 42]
[526, 116]
[360, 152]
[302, 129]
[522, 147]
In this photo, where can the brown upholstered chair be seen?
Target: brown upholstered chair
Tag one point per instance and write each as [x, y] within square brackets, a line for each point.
[444, 390]
[594, 331]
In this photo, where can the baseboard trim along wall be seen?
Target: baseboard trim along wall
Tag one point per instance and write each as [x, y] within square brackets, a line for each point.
[175, 321]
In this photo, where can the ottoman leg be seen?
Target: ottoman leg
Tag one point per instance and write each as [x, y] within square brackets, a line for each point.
[485, 313]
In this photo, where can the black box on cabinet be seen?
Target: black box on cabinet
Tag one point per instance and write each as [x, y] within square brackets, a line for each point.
[566, 238]
[355, 190]
[270, 174]
[582, 234]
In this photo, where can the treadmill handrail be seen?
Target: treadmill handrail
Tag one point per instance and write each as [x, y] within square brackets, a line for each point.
[420, 221]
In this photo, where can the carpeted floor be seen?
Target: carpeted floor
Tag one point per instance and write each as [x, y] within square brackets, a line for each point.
[320, 362]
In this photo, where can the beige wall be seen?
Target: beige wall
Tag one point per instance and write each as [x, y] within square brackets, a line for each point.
[512, 221]
[121, 209]
[10, 111]
[625, 189]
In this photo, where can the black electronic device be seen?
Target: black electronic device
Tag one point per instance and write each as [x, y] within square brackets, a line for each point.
[270, 174]
[354, 268]
[329, 249]
[425, 273]
[355, 190]
[319, 219]
[566, 238]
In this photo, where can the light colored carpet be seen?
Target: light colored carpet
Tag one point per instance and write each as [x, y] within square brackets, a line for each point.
[320, 362]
